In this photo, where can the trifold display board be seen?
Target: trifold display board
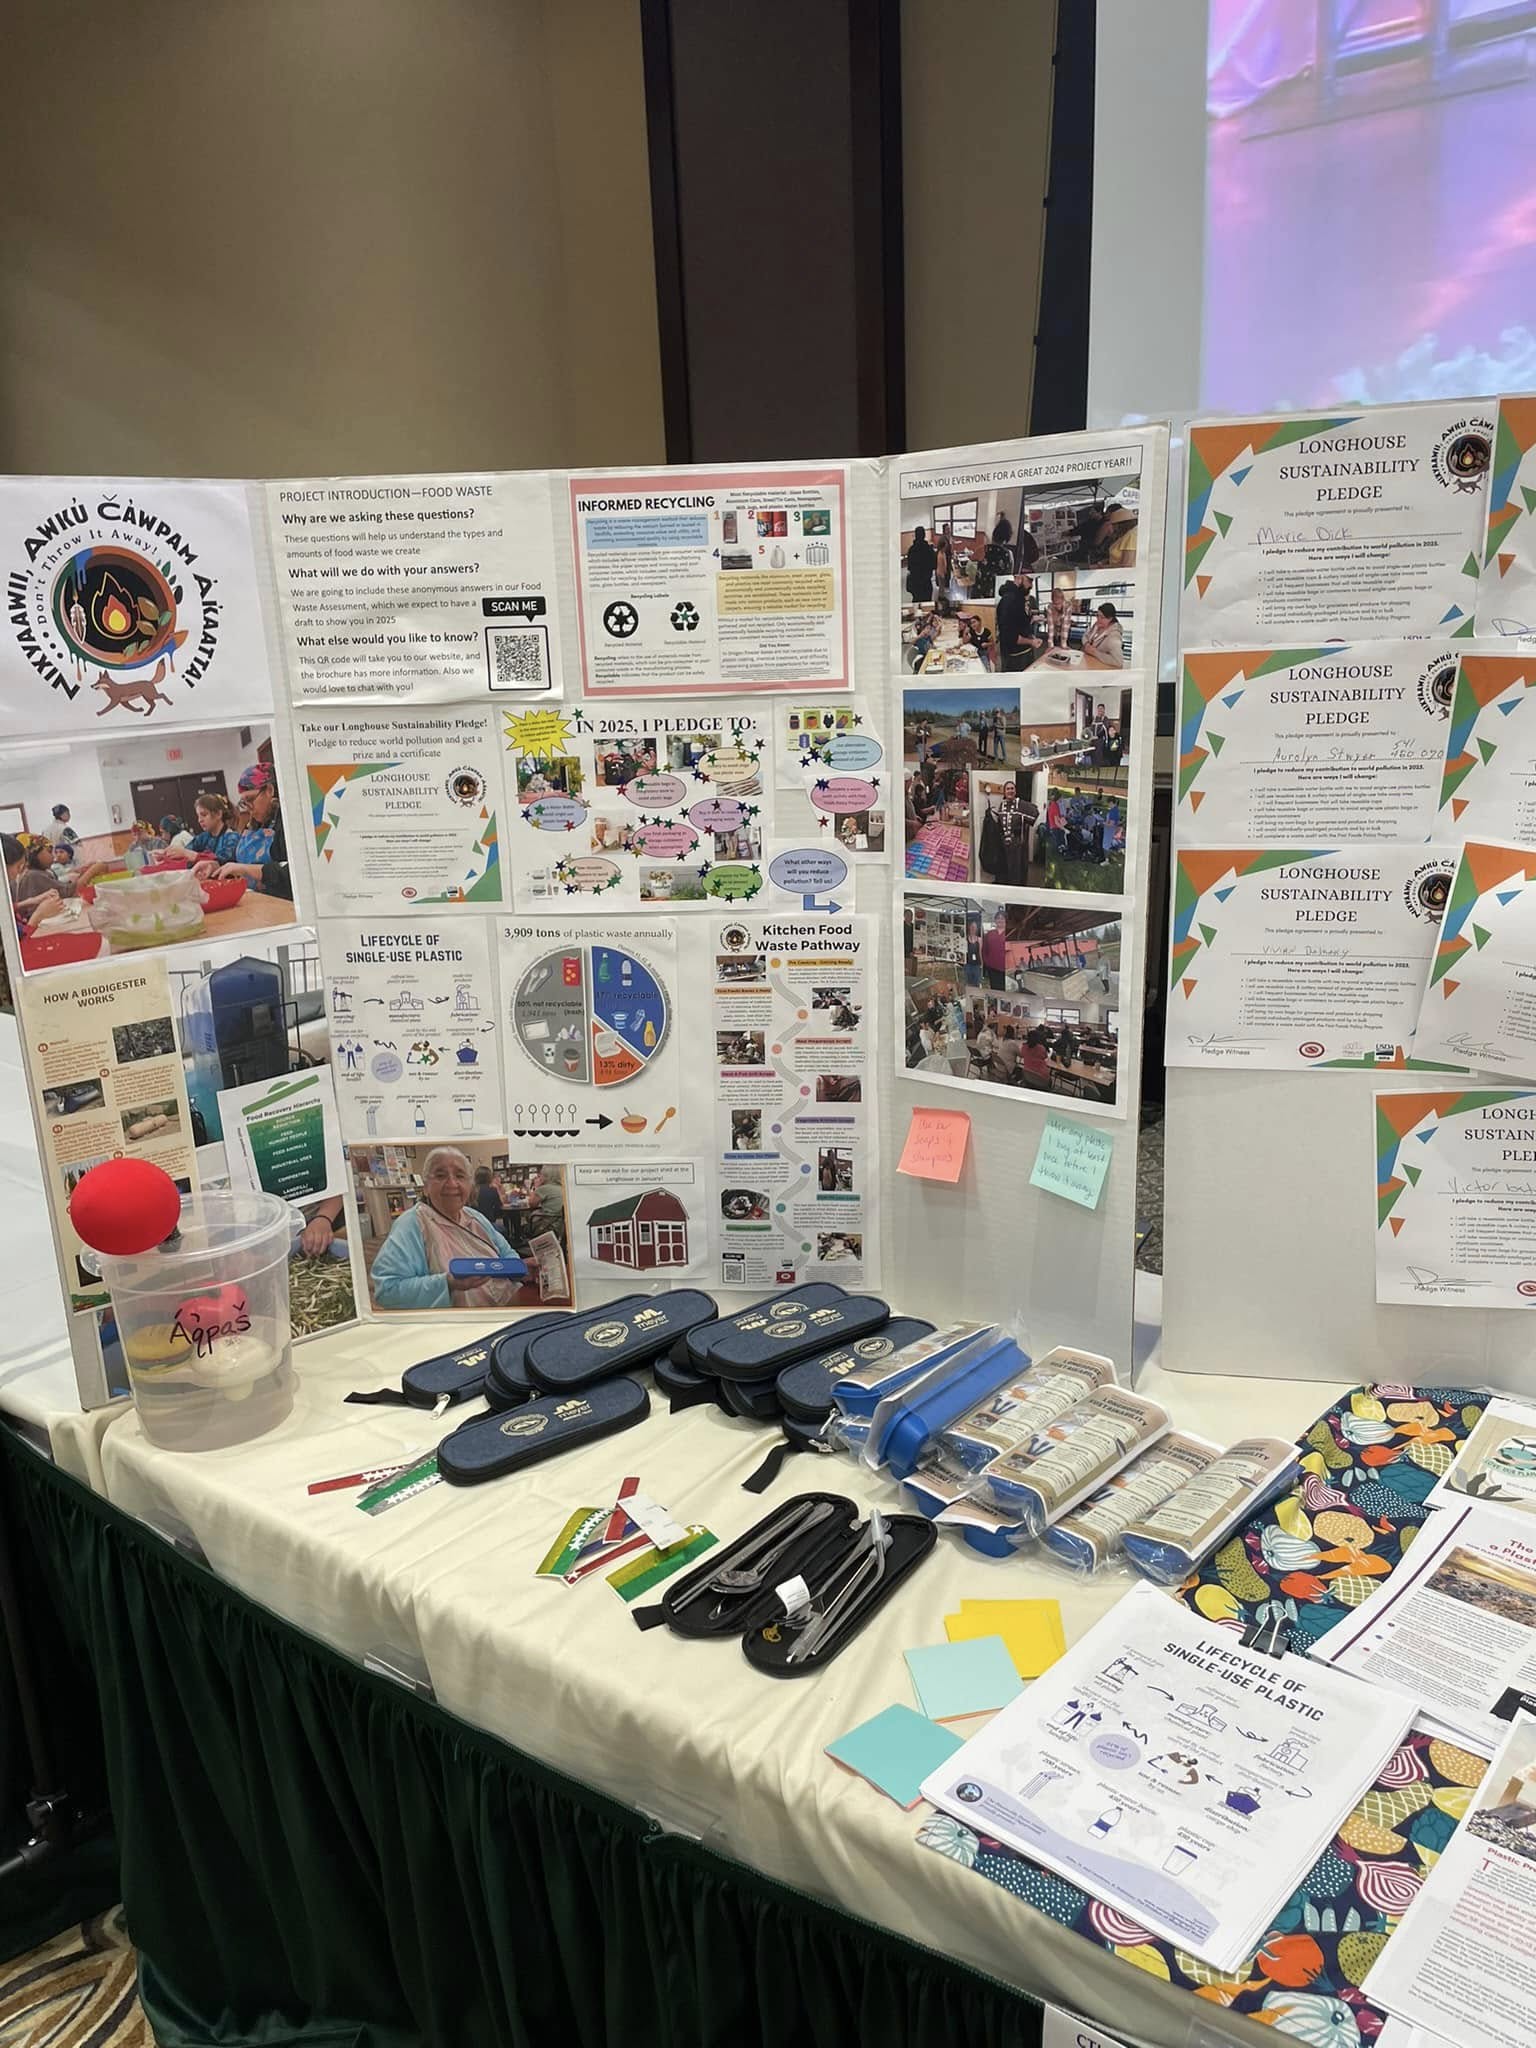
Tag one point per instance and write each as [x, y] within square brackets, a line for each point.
[1351, 1123]
[733, 874]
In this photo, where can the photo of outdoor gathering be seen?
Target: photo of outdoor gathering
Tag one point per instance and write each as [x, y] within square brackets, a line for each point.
[1005, 995]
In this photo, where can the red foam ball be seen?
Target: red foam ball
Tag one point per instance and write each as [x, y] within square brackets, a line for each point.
[125, 1206]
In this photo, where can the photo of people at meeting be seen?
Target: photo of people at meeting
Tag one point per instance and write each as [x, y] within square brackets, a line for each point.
[1037, 806]
[130, 844]
[1007, 995]
[1000, 580]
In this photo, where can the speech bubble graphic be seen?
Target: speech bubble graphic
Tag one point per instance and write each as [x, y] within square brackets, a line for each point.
[840, 793]
[733, 882]
[556, 813]
[716, 814]
[655, 792]
[805, 870]
[665, 842]
[852, 751]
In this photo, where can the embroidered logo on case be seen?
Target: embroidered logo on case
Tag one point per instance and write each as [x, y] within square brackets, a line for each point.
[607, 1335]
[874, 1347]
[525, 1425]
[785, 1330]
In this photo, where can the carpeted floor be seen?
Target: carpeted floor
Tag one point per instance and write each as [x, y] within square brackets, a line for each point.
[1149, 1192]
[79, 1990]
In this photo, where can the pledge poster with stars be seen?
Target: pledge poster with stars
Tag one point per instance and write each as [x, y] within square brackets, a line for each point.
[617, 811]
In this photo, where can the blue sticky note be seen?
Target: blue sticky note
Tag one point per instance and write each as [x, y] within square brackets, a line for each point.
[895, 1751]
[1072, 1160]
[952, 1680]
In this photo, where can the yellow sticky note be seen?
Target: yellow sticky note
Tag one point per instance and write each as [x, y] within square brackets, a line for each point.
[936, 1142]
[1031, 1628]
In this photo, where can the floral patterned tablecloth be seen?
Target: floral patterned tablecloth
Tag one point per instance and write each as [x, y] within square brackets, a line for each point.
[1367, 1467]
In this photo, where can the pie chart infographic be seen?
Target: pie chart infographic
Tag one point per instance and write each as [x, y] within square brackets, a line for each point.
[591, 1013]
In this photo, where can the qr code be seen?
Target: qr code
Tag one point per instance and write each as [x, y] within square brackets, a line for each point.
[733, 1269]
[517, 658]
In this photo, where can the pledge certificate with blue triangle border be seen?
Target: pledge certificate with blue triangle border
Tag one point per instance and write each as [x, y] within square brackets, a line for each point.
[1480, 1002]
[1298, 957]
[1456, 1197]
[1357, 524]
[1291, 745]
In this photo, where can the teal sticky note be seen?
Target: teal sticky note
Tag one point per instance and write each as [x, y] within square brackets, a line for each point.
[895, 1751]
[1072, 1160]
[952, 1680]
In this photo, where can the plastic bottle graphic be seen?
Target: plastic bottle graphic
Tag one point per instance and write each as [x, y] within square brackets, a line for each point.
[648, 1038]
[604, 970]
[421, 1118]
[627, 975]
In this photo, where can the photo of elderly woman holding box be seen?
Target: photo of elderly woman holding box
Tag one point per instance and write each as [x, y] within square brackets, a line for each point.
[412, 1269]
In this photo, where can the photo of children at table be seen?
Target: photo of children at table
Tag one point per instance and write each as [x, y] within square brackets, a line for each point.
[1046, 1018]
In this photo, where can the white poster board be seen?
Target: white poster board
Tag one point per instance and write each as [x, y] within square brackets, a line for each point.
[422, 911]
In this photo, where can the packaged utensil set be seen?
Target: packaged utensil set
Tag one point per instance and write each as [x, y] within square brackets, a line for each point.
[1009, 1452]
[799, 1585]
[1006, 1451]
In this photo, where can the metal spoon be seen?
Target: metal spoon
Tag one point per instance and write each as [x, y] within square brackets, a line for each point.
[734, 1577]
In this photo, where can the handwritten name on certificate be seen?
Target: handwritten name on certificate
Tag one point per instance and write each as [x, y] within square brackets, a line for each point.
[1480, 1003]
[1360, 525]
[1289, 745]
[1292, 959]
[1456, 1197]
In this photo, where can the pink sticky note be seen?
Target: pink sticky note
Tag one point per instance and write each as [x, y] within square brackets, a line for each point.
[936, 1142]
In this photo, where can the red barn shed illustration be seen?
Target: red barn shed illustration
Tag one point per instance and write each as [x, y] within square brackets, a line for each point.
[644, 1230]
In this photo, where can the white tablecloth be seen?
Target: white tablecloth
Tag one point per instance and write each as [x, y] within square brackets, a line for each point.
[686, 1732]
[37, 1370]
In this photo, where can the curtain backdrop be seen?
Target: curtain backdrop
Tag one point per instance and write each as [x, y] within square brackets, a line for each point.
[81, 1879]
[311, 1854]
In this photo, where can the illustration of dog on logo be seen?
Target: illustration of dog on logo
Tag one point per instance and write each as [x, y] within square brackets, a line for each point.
[145, 691]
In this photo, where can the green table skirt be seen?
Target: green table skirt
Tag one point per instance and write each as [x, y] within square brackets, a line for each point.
[311, 1854]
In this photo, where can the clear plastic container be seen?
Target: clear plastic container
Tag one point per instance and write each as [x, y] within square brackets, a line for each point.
[203, 1321]
[147, 910]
